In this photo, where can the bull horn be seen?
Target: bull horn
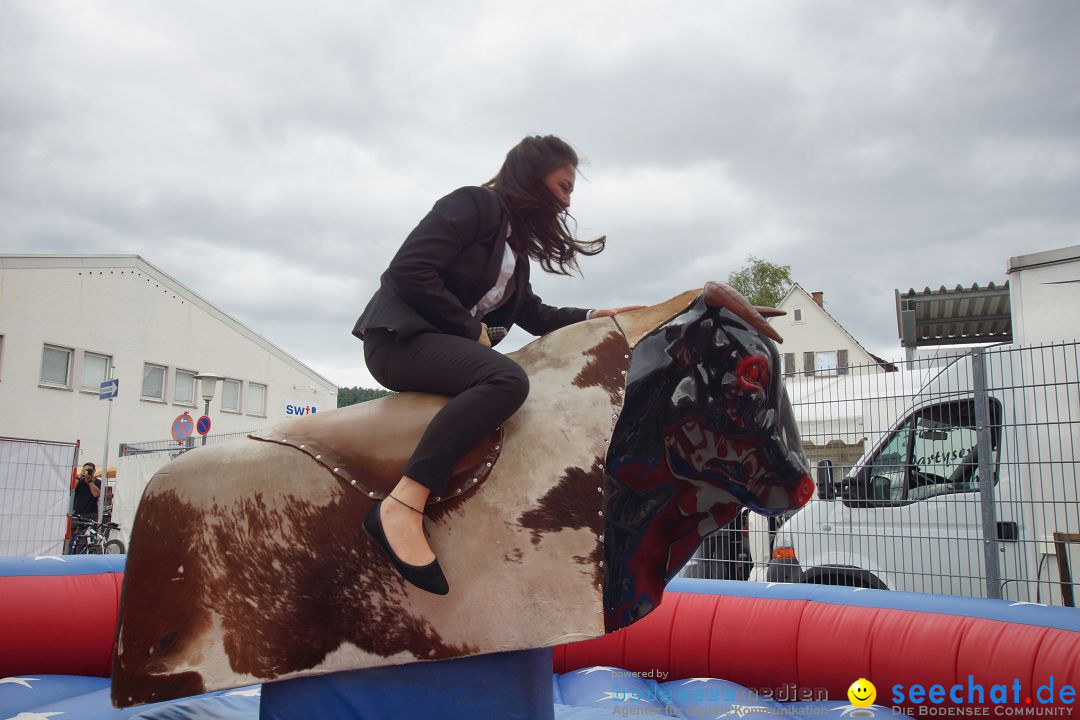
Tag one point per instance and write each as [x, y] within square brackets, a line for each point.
[722, 295]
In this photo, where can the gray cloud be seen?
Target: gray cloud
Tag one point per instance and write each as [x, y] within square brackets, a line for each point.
[869, 146]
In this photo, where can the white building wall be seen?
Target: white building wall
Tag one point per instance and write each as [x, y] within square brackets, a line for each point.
[126, 308]
[1044, 294]
[816, 332]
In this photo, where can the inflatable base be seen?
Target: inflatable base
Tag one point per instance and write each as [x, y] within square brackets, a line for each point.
[783, 650]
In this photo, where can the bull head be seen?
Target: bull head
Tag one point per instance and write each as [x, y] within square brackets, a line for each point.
[706, 429]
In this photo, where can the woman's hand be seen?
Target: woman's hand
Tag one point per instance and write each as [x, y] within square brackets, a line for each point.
[484, 339]
[612, 312]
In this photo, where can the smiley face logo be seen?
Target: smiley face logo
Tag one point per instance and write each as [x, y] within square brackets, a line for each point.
[862, 693]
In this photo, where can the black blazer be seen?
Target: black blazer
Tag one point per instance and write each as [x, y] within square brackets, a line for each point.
[450, 261]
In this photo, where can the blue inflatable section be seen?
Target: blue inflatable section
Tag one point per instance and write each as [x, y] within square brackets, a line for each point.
[497, 686]
[586, 694]
[604, 692]
[48, 565]
[87, 698]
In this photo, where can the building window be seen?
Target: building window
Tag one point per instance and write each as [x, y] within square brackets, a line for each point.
[184, 387]
[230, 395]
[56, 366]
[796, 315]
[153, 382]
[256, 399]
[825, 362]
[789, 363]
[95, 370]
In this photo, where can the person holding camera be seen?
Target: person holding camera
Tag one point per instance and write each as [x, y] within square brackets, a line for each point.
[85, 505]
[87, 493]
[461, 279]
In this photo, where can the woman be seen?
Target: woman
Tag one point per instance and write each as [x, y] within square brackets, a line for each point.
[465, 268]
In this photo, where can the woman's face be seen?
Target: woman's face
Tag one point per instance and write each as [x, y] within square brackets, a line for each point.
[561, 184]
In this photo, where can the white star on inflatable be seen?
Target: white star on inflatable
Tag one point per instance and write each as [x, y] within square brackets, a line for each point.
[687, 681]
[620, 696]
[1015, 604]
[851, 709]
[33, 716]
[49, 557]
[587, 671]
[250, 692]
[25, 682]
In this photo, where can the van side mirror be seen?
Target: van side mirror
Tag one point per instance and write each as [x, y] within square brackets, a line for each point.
[825, 488]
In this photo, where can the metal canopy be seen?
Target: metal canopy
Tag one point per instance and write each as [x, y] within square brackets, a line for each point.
[959, 316]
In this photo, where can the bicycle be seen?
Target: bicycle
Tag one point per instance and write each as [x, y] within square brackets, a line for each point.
[89, 537]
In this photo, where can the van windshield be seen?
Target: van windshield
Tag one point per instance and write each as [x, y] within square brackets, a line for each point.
[933, 453]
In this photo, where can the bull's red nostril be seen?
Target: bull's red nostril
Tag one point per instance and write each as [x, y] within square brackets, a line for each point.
[805, 491]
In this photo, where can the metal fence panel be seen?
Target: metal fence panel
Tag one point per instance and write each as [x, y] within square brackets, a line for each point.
[969, 484]
[35, 495]
[174, 448]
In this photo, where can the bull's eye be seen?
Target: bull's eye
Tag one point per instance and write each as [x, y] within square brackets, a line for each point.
[752, 372]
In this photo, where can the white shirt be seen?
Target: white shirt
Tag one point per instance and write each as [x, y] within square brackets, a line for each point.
[494, 296]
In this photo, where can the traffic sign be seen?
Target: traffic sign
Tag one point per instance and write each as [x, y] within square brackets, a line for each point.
[182, 427]
[109, 389]
[202, 425]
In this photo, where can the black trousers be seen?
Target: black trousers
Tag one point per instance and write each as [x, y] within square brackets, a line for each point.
[486, 388]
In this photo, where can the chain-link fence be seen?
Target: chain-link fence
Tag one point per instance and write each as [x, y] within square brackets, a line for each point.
[35, 495]
[968, 486]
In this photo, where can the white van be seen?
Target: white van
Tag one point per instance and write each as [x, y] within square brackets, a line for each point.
[910, 515]
[913, 515]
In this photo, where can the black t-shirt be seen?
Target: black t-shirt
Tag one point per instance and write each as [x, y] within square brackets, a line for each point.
[85, 502]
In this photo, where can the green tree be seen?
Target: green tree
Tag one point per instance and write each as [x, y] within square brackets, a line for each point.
[761, 281]
[353, 395]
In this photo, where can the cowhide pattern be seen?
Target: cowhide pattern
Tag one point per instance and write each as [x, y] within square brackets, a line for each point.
[248, 562]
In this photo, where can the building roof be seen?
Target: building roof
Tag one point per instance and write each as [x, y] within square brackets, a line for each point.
[135, 262]
[1046, 257]
[961, 316]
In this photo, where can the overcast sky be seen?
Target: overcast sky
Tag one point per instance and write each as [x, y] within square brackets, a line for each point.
[272, 156]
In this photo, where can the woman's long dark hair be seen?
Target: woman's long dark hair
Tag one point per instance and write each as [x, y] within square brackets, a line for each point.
[537, 220]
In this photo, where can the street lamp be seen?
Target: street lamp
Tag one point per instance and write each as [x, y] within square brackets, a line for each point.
[209, 387]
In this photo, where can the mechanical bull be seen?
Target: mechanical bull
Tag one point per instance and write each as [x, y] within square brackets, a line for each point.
[641, 435]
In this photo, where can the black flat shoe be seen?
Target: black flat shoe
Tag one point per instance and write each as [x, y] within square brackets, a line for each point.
[426, 577]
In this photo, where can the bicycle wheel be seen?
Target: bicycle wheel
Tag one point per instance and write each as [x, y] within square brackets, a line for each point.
[114, 547]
